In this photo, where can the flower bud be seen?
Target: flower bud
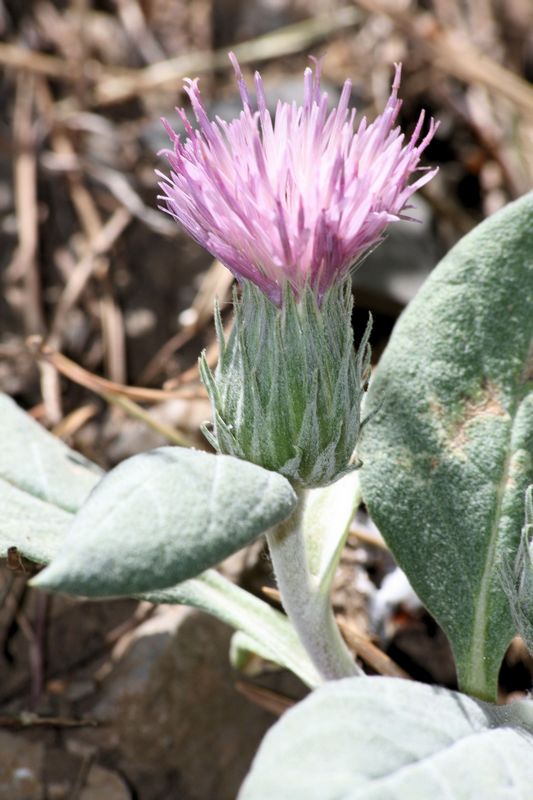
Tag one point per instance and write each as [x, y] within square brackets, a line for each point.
[287, 391]
[517, 580]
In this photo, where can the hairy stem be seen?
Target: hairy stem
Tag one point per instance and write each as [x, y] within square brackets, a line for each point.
[307, 607]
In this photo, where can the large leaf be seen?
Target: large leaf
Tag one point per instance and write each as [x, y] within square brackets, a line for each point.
[448, 456]
[389, 739]
[162, 517]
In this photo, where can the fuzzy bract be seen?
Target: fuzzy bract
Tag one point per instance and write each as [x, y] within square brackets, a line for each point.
[287, 390]
[296, 199]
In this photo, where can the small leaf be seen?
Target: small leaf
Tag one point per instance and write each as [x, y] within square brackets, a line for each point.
[39, 463]
[389, 739]
[448, 455]
[327, 516]
[162, 517]
[33, 526]
[270, 631]
[41, 480]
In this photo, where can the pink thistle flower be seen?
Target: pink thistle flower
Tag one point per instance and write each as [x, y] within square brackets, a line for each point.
[297, 199]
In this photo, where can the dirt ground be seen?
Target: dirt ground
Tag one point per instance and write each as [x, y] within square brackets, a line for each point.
[105, 306]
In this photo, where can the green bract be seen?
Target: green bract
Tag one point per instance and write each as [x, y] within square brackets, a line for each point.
[287, 390]
[517, 579]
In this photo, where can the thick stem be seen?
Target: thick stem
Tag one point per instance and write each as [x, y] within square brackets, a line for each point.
[308, 609]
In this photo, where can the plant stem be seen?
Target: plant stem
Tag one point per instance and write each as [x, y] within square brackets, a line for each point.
[307, 607]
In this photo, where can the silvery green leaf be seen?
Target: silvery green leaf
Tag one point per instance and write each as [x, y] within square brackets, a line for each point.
[41, 481]
[30, 524]
[390, 739]
[39, 463]
[327, 516]
[448, 455]
[37, 526]
[162, 517]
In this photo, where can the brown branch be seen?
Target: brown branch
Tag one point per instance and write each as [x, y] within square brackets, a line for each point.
[99, 385]
[27, 719]
[452, 53]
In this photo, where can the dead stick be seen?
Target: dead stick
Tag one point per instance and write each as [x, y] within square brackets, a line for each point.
[70, 369]
[111, 392]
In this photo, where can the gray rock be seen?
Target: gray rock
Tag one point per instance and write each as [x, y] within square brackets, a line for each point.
[101, 783]
[173, 723]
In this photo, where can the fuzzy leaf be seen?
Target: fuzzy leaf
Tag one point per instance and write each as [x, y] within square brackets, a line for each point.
[448, 456]
[41, 480]
[39, 463]
[327, 516]
[390, 739]
[36, 527]
[162, 517]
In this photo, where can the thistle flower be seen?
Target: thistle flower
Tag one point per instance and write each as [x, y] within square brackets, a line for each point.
[296, 200]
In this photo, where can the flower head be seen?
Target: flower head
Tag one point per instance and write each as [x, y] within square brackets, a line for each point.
[297, 199]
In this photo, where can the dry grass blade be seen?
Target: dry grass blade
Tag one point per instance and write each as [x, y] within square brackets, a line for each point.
[20, 58]
[284, 41]
[71, 424]
[132, 17]
[100, 385]
[112, 393]
[24, 264]
[113, 335]
[453, 54]
[121, 188]
[363, 647]
[360, 535]
[101, 243]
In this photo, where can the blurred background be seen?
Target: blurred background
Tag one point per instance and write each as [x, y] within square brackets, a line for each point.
[105, 305]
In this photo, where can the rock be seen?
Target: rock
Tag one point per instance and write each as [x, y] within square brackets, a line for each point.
[101, 783]
[21, 763]
[173, 723]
